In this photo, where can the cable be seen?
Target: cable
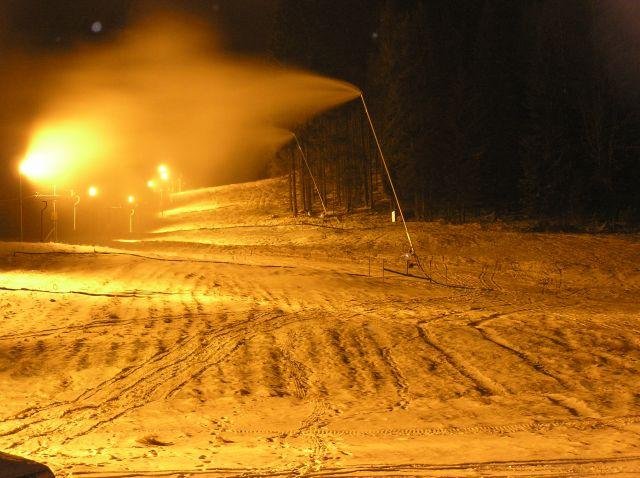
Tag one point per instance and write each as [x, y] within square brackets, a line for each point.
[163, 259]
[412, 254]
[315, 185]
[386, 169]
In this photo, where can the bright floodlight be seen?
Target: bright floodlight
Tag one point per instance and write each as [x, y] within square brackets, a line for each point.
[151, 184]
[57, 150]
[37, 166]
[163, 171]
[92, 191]
[131, 199]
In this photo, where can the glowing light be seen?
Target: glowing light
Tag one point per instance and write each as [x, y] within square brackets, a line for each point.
[151, 184]
[92, 191]
[57, 150]
[96, 27]
[131, 199]
[38, 166]
[163, 171]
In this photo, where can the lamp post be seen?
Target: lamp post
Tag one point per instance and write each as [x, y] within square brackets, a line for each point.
[46, 204]
[41, 167]
[54, 215]
[153, 185]
[76, 201]
[163, 172]
[92, 191]
[131, 200]
[20, 203]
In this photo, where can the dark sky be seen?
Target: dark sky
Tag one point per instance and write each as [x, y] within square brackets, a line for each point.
[46, 24]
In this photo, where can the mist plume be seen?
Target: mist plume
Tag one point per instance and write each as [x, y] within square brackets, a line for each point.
[163, 91]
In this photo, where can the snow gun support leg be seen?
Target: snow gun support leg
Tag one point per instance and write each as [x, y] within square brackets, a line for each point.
[386, 169]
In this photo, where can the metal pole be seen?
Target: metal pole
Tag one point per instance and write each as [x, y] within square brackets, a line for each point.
[54, 216]
[386, 169]
[131, 214]
[304, 157]
[21, 211]
[41, 220]
[75, 206]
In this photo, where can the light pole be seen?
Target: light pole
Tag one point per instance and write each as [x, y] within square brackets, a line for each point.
[163, 172]
[131, 200]
[54, 214]
[40, 167]
[92, 191]
[20, 202]
[76, 201]
[46, 204]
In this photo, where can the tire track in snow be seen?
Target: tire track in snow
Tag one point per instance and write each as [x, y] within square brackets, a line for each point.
[492, 337]
[159, 377]
[568, 467]
[483, 384]
[385, 355]
[580, 423]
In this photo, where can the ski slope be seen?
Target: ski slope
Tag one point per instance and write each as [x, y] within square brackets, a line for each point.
[233, 339]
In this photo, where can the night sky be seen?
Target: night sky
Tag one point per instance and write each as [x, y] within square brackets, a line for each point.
[45, 25]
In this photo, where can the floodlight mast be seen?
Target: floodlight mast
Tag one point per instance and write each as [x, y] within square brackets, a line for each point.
[386, 169]
[131, 200]
[21, 205]
[54, 215]
[76, 201]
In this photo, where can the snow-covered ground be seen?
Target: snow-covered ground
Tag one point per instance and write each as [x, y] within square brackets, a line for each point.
[235, 339]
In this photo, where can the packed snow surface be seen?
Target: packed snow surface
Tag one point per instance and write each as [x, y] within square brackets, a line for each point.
[234, 339]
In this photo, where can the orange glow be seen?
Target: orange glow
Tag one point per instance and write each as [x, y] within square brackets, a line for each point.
[92, 191]
[37, 166]
[163, 171]
[131, 199]
[163, 92]
[56, 151]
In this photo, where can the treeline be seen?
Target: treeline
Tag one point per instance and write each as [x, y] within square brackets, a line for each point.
[507, 109]
[332, 164]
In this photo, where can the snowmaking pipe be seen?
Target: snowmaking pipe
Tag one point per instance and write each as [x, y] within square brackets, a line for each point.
[386, 169]
[315, 185]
